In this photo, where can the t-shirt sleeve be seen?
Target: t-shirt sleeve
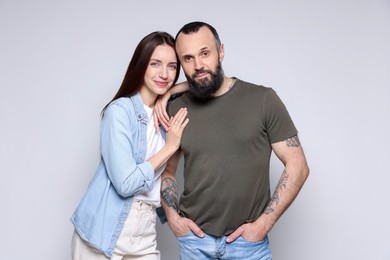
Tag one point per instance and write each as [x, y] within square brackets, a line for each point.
[279, 125]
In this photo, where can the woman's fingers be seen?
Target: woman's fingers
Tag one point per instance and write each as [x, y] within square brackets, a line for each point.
[163, 107]
[179, 118]
[162, 116]
[159, 119]
[160, 108]
[177, 125]
[165, 116]
[184, 124]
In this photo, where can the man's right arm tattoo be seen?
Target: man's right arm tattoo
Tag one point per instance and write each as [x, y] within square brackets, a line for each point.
[169, 193]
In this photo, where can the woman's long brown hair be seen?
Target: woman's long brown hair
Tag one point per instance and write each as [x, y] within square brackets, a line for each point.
[134, 77]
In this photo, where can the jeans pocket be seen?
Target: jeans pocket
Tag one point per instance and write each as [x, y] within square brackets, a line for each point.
[186, 236]
[265, 240]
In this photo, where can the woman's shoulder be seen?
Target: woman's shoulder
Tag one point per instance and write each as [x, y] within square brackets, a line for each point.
[119, 108]
[122, 102]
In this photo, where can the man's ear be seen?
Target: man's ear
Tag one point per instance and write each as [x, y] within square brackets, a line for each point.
[221, 52]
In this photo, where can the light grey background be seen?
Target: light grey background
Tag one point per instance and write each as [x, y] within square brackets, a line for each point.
[62, 61]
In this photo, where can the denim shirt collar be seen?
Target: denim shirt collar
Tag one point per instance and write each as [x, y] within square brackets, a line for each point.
[138, 104]
[140, 112]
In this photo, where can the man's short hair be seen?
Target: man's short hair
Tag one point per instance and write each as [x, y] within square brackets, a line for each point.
[194, 27]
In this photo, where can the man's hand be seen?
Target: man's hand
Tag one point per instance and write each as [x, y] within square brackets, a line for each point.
[249, 231]
[181, 226]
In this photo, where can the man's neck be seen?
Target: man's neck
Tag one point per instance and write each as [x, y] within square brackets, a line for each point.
[226, 86]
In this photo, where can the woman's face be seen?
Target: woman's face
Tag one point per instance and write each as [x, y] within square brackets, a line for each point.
[161, 70]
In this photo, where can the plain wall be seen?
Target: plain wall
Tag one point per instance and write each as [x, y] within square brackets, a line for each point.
[329, 61]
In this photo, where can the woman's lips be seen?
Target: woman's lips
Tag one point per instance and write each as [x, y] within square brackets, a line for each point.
[162, 83]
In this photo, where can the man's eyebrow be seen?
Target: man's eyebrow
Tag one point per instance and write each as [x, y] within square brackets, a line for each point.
[206, 48]
[187, 55]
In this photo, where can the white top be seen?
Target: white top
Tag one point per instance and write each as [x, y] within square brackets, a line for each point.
[155, 142]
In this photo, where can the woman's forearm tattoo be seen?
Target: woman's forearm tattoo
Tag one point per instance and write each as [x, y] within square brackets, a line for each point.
[293, 141]
[169, 193]
[276, 196]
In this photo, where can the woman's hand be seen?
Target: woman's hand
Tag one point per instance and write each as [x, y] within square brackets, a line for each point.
[160, 114]
[175, 131]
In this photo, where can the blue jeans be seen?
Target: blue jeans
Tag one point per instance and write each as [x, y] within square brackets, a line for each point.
[211, 247]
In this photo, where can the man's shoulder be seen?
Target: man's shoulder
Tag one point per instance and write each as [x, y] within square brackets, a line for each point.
[252, 88]
[182, 99]
[175, 104]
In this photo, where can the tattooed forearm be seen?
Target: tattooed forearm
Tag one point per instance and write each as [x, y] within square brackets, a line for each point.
[169, 193]
[276, 196]
[293, 141]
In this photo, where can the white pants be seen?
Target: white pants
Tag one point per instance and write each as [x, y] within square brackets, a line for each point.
[136, 241]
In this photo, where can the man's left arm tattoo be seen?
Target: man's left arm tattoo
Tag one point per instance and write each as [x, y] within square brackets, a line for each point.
[293, 141]
[276, 196]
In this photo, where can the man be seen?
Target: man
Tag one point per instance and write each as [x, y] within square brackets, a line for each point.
[226, 210]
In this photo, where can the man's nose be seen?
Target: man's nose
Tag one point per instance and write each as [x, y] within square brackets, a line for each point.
[198, 64]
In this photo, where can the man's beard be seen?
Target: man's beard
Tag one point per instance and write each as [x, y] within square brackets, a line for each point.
[204, 88]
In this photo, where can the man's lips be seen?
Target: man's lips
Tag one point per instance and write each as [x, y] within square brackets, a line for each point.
[201, 75]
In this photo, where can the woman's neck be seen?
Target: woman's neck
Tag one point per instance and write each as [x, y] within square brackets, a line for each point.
[148, 98]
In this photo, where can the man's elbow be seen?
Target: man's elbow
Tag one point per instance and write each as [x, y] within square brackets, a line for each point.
[305, 172]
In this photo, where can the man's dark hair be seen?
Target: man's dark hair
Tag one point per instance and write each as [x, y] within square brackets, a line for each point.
[194, 27]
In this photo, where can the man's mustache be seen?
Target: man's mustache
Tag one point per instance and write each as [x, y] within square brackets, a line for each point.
[201, 71]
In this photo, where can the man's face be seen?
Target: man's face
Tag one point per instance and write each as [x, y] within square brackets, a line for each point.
[201, 62]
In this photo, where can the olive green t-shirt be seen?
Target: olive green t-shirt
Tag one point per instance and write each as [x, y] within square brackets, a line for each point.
[227, 149]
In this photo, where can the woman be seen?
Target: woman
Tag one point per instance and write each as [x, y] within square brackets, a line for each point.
[117, 216]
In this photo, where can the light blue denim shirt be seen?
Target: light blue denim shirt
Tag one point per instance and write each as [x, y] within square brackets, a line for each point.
[122, 173]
